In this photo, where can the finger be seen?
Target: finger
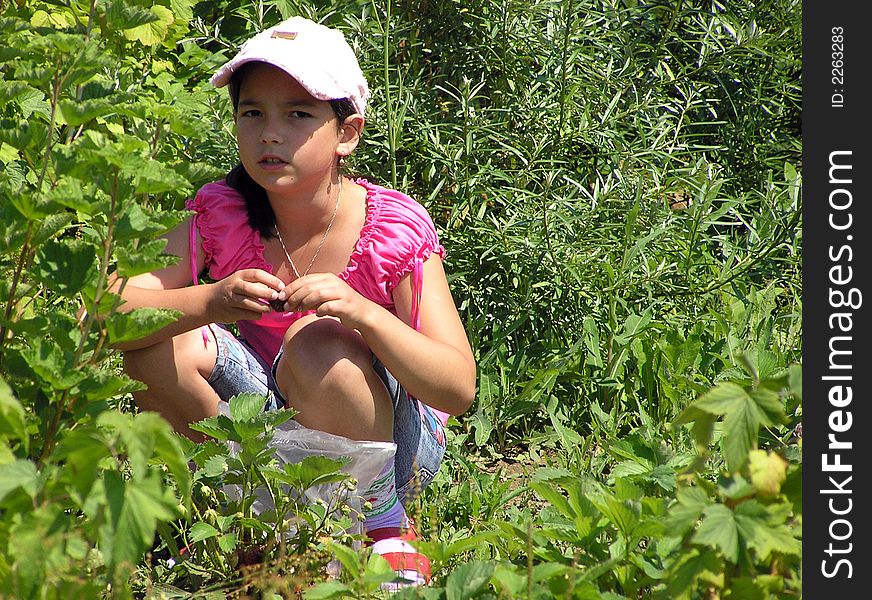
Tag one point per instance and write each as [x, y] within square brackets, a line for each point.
[261, 276]
[256, 306]
[315, 279]
[258, 290]
[328, 309]
[305, 299]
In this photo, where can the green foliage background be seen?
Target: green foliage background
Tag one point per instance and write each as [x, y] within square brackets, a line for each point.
[617, 184]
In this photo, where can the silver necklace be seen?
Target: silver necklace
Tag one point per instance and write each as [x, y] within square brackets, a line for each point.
[323, 239]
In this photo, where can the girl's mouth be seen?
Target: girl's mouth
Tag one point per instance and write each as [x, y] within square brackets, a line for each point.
[272, 162]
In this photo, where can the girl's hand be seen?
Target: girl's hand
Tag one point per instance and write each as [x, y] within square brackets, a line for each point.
[244, 295]
[327, 295]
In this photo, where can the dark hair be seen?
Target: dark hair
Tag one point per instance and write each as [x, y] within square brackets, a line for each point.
[260, 213]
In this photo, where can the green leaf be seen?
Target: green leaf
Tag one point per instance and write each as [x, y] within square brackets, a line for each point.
[227, 542]
[623, 514]
[691, 567]
[8, 154]
[29, 99]
[215, 466]
[12, 416]
[19, 474]
[326, 590]
[66, 266]
[13, 90]
[138, 323]
[315, 470]
[483, 427]
[75, 194]
[469, 542]
[121, 16]
[183, 9]
[81, 451]
[199, 173]
[134, 508]
[766, 533]
[74, 113]
[559, 501]
[167, 445]
[633, 326]
[467, 580]
[350, 559]
[744, 413]
[13, 225]
[378, 570]
[770, 404]
[144, 259]
[138, 223]
[153, 32]
[630, 467]
[32, 205]
[51, 226]
[664, 476]
[722, 399]
[101, 384]
[508, 579]
[152, 177]
[246, 407]
[740, 435]
[546, 571]
[201, 531]
[768, 471]
[703, 428]
[51, 364]
[23, 135]
[719, 530]
[794, 378]
[219, 427]
[735, 487]
[745, 588]
[592, 343]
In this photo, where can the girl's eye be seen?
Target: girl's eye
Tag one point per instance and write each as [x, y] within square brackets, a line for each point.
[251, 113]
[299, 114]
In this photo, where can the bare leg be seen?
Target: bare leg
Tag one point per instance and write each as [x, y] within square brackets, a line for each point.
[326, 375]
[176, 372]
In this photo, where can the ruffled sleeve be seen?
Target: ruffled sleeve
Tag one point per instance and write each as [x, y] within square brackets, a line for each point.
[398, 234]
[229, 242]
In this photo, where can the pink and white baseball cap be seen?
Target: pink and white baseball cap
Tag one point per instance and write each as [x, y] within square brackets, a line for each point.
[318, 57]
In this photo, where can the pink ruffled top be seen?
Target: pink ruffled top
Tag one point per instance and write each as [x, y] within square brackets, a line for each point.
[398, 235]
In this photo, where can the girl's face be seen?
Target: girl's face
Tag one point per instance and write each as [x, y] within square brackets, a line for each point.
[288, 140]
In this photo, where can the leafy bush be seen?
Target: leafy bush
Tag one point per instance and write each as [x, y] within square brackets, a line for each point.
[617, 185]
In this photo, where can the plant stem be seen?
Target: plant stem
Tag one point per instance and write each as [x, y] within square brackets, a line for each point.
[24, 256]
[563, 68]
[389, 107]
[67, 403]
[16, 277]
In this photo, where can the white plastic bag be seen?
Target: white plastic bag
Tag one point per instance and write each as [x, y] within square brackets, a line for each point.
[293, 443]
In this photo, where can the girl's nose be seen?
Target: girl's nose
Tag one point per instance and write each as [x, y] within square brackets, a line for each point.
[269, 135]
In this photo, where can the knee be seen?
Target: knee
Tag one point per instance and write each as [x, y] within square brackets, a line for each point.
[145, 363]
[319, 351]
[168, 359]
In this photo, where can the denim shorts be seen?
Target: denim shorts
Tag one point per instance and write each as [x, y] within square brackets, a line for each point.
[418, 433]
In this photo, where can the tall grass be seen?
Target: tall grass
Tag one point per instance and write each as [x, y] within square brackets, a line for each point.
[555, 142]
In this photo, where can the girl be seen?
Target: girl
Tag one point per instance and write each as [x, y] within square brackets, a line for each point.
[336, 285]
